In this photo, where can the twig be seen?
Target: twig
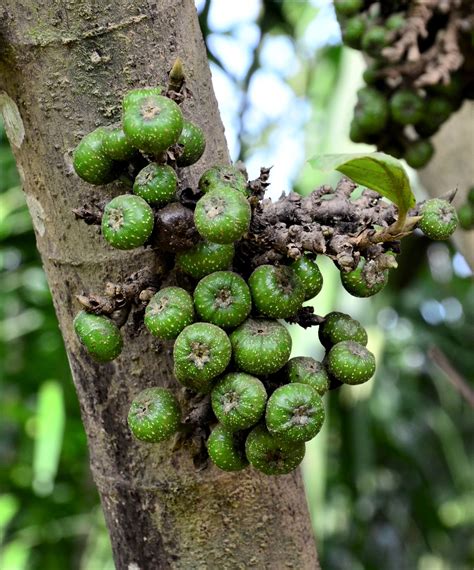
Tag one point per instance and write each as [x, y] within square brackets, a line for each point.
[306, 318]
[459, 383]
[92, 215]
[137, 289]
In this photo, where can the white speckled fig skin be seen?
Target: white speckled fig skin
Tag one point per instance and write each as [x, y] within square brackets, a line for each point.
[227, 449]
[439, 219]
[99, 335]
[90, 161]
[277, 292]
[261, 346]
[201, 352]
[355, 284]
[223, 298]
[116, 145]
[127, 222]
[307, 370]
[169, 311]
[350, 362]
[154, 415]
[202, 386]
[271, 455]
[338, 327]
[223, 177]
[222, 215]
[151, 122]
[135, 96]
[295, 412]
[156, 183]
[193, 142]
[204, 258]
[309, 274]
[238, 400]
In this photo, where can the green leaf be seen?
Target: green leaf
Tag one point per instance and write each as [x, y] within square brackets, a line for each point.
[376, 170]
[14, 555]
[9, 506]
[50, 420]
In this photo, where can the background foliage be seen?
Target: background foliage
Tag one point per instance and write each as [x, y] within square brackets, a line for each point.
[389, 480]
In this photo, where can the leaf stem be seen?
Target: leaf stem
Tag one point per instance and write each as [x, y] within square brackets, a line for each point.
[401, 228]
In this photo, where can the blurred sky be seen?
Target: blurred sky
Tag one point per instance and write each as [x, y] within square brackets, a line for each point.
[234, 38]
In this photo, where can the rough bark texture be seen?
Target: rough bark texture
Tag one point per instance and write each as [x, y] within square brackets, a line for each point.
[64, 67]
[453, 167]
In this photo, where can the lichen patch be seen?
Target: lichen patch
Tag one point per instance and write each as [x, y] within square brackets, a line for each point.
[12, 119]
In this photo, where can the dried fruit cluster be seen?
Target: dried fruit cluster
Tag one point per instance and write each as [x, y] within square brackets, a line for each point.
[420, 70]
[228, 342]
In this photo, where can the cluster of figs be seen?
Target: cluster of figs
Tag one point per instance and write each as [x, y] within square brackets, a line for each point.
[398, 115]
[227, 335]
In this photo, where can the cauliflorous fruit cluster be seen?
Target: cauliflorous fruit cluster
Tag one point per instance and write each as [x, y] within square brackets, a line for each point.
[418, 72]
[152, 127]
[229, 343]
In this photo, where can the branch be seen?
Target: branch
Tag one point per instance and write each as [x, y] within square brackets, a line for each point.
[325, 222]
[459, 383]
[92, 215]
[117, 299]
[437, 63]
[306, 318]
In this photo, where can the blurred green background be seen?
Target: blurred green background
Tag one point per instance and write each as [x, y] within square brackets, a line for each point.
[389, 480]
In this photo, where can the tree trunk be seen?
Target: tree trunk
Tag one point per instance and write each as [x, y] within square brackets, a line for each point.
[453, 167]
[64, 67]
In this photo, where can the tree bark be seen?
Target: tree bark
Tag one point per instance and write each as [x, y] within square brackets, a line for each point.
[64, 66]
[453, 167]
